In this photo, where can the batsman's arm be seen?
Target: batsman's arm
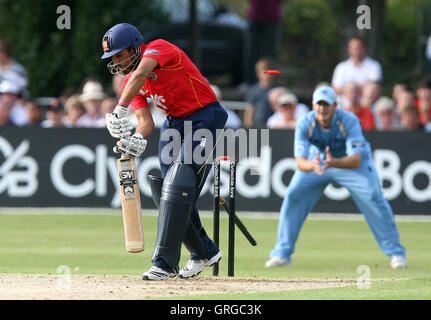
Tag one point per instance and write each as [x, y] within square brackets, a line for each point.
[137, 79]
[135, 145]
[145, 124]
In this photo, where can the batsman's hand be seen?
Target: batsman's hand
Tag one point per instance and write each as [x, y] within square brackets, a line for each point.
[118, 127]
[117, 123]
[133, 146]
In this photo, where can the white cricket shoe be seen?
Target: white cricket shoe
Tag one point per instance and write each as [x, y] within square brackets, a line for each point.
[277, 262]
[155, 273]
[398, 262]
[194, 267]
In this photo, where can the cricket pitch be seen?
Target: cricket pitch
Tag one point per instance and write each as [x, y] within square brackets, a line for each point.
[60, 287]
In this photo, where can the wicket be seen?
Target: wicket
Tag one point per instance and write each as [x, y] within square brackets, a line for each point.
[230, 209]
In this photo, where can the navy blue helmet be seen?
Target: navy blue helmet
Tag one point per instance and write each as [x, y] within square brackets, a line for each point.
[118, 38]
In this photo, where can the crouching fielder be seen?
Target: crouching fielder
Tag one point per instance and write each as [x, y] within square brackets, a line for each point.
[330, 147]
[162, 72]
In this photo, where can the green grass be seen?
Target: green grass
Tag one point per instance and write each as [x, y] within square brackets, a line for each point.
[94, 244]
[417, 289]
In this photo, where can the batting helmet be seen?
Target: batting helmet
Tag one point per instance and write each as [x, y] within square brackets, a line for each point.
[120, 37]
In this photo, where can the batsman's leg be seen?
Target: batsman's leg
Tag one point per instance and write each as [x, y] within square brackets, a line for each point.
[176, 203]
[211, 118]
[156, 184]
[195, 237]
[203, 251]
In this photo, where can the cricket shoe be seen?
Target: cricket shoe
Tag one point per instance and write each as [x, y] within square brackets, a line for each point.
[398, 262]
[194, 267]
[156, 273]
[277, 262]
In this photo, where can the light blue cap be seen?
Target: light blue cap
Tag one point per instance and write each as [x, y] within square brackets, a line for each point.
[324, 93]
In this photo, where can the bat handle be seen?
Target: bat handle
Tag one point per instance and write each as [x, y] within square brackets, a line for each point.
[124, 156]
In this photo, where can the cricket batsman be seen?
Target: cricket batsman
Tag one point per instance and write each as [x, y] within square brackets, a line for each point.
[329, 147]
[162, 72]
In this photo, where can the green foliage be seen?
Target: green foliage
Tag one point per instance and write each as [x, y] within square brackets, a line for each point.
[310, 37]
[398, 55]
[56, 59]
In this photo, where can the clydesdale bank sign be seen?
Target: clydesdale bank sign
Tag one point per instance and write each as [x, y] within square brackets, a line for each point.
[77, 168]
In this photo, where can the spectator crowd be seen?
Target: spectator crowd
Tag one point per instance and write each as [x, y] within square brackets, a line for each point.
[357, 82]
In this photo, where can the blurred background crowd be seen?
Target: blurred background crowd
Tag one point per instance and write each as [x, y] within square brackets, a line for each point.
[385, 79]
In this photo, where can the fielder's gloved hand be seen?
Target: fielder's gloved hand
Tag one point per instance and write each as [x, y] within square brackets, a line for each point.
[116, 123]
[133, 146]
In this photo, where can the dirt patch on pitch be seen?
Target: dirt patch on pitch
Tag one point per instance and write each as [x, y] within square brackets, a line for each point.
[62, 287]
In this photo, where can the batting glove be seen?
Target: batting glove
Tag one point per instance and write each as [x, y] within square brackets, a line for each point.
[133, 146]
[117, 123]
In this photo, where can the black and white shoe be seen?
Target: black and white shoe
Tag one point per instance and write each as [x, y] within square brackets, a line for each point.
[156, 273]
[194, 267]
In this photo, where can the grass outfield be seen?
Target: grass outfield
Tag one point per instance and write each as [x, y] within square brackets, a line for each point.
[93, 244]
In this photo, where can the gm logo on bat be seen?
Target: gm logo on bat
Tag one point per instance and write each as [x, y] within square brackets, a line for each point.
[127, 181]
[127, 175]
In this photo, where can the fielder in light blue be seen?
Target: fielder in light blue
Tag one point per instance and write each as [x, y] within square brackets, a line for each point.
[329, 147]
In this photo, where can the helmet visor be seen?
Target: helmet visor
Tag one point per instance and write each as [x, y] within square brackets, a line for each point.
[123, 68]
[109, 54]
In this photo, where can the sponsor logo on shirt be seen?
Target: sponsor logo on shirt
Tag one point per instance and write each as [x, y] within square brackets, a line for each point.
[299, 147]
[142, 92]
[159, 101]
[357, 144]
[152, 76]
[151, 51]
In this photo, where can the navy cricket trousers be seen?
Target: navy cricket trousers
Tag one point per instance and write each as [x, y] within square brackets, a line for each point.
[192, 140]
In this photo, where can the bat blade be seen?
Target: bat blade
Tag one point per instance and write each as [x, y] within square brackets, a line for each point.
[131, 205]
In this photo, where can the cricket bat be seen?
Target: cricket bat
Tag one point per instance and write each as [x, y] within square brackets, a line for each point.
[131, 204]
